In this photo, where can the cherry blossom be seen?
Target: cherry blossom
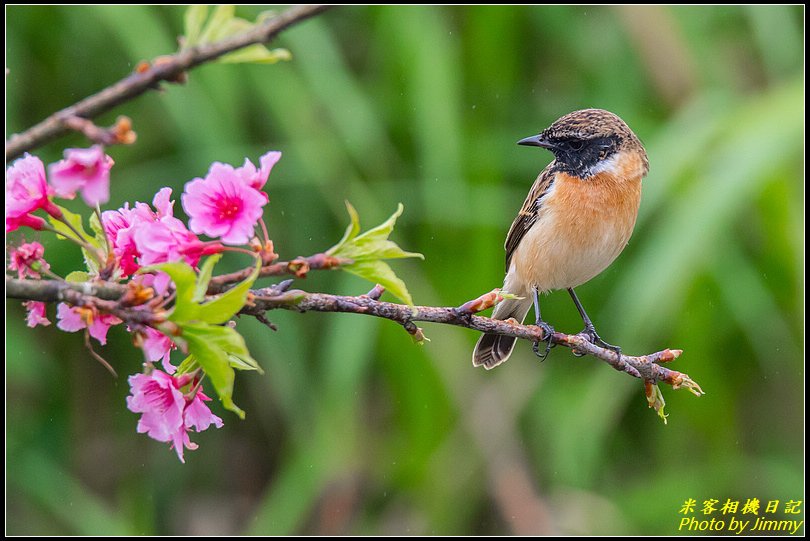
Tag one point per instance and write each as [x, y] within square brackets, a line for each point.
[168, 414]
[27, 260]
[27, 191]
[85, 169]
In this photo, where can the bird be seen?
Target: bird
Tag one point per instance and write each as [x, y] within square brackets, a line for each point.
[576, 220]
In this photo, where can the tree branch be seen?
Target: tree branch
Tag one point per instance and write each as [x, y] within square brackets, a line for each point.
[646, 367]
[170, 68]
[299, 267]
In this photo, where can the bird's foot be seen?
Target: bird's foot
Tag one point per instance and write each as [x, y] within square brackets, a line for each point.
[548, 332]
[591, 336]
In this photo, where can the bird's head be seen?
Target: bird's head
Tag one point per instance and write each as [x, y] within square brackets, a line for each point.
[589, 142]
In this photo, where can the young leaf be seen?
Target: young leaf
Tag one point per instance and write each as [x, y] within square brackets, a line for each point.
[187, 365]
[223, 307]
[213, 359]
[366, 250]
[215, 29]
[257, 54]
[64, 231]
[241, 363]
[99, 239]
[194, 19]
[184, 278]
[205, 277]
[380, 273]
[77, 277]
[223, 24]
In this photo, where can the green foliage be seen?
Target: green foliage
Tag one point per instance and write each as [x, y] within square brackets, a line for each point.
[77, 277]
[355, 431]
[214, 348]
[369, 249]
[79, 235]
[224, 24]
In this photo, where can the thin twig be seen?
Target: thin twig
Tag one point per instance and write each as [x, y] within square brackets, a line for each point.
[298, 267]
[170, 68]
[120, 133]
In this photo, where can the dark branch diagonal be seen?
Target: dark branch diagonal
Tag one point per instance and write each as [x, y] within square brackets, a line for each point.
[138, 83]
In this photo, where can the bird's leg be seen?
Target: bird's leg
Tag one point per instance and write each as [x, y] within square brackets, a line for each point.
[590, 331]
[548, 330]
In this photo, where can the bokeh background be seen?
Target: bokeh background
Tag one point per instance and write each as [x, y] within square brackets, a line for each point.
[354, 429]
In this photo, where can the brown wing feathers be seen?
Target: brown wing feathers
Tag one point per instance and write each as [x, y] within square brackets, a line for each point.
[528, 213]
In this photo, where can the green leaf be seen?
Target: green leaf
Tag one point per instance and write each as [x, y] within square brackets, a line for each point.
[245, 363]
[214, 30]
[223, 307]
[77, 277]
[65, 232]
[373, 244]
[208, 352]
[184, 278]
[205, 277]
[222, 25]
[367, 251]
[379, 272]
[189, 364]
[194, 19]
[99, 239]
[218, 350]
[351, 231]
[257, 54]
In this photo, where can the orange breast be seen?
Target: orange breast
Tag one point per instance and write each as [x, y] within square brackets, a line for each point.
[582, 226]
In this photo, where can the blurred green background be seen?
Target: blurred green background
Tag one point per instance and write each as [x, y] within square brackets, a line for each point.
[354, 429]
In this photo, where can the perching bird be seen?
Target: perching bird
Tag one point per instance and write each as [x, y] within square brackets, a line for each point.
[576, 220]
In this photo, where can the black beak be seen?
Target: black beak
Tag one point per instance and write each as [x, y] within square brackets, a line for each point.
[536, 141]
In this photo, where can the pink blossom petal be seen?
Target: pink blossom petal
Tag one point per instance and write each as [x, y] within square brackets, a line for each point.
[27, 191]
[257, 179]
[161, 403]
[69, 319]
[223, 204]
[166, 415]
[36, 314]
[198, 416]
[158, 347]
[27, 260]
[163, 204]
[101, 324]
[85, 169]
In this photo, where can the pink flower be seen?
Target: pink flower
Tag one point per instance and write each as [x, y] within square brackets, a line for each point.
[85, 169]
[36, 314]
[167, 414]
[72, 319]
[27, 260]
[227, 203]
[257, 179]
[141, 236]
[169, 240]
[27, 191]
[158, 347]
[118, 227]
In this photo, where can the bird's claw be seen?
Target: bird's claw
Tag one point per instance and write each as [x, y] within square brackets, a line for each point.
[589, 333]
[548, 332]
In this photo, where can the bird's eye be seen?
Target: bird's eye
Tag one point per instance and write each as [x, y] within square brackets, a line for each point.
[576, 145]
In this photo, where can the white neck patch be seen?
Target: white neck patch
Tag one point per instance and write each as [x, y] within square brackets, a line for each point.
[609, 165]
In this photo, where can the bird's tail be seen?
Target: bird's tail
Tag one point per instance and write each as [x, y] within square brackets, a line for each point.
[493, 349]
